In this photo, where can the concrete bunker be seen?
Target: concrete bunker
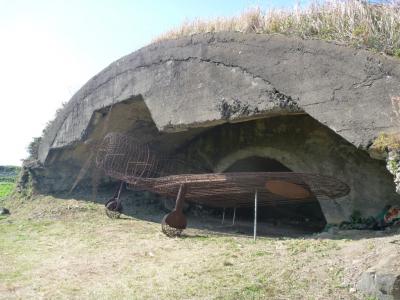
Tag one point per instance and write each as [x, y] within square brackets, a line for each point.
[285, 142]
[220, 99]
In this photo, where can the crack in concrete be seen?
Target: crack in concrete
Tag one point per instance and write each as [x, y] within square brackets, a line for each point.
[376, 69]
[316, 103]
[373, 75]
[367, 82]
[333, 97]
[164, 61]
[365, 129]
[88, 92]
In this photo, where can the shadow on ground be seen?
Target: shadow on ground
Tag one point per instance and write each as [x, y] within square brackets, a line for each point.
[150, 207]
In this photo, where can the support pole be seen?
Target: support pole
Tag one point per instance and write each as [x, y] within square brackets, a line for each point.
[180, 198]
[234, 216]
[223, 216]
[255, 215]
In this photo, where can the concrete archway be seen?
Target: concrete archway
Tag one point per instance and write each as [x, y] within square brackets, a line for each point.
[303, 145]
[307, 215]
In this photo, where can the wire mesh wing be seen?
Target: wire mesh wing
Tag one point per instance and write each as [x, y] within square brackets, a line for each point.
[123, 158]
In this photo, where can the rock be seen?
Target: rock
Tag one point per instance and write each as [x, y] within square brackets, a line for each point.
[382, 286]
[383, 280]
[4, 211]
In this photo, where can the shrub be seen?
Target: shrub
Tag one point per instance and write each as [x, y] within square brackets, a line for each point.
[33, 148]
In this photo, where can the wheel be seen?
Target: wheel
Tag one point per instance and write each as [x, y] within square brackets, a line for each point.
[168, 230]
[113, 209]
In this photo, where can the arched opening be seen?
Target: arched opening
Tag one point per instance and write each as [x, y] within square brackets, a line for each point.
[257, 164]
[307, 216]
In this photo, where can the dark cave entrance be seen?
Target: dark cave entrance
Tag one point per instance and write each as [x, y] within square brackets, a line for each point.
[306, 216]
[257, 164]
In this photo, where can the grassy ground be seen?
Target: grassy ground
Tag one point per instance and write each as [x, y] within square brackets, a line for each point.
[8, 176]
[52, 248]
[6, 188]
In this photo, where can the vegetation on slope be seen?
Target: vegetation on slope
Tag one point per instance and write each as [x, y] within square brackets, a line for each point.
[356, 23]
[8, 175]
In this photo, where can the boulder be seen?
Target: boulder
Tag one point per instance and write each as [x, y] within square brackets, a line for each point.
[4, 211]
[383, 280]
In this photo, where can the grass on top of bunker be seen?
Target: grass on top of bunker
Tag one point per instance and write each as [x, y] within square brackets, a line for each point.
[66, 248]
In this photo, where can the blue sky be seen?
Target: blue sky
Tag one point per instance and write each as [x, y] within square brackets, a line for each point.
[49, 49]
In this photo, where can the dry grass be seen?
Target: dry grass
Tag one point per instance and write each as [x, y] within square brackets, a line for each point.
[67, 249]
[352, 22]
[386, 142]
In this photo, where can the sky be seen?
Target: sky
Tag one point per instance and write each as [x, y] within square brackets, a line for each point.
[50, 48]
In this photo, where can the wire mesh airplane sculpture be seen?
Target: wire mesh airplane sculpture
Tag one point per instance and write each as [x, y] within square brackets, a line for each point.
[141, 168]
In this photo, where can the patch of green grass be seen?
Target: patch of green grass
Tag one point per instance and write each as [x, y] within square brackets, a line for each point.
[260, 253]
[8, 175]
[297, 246]
[259, 289]
[6, 189]
[253, 289]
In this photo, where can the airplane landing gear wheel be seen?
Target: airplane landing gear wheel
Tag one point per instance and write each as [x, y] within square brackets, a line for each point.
[113, 208]
[170, 231]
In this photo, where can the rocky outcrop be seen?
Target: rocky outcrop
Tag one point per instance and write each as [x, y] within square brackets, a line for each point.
[383, 280]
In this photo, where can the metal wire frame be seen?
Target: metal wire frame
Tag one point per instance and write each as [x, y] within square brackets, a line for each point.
[125, 159]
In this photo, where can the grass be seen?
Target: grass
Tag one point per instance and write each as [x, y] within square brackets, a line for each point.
[54, 248]
[386, 142]
[6, 189]
[8, 175]
[353, 22]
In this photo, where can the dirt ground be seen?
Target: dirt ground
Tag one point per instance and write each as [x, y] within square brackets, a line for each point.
[54, 248]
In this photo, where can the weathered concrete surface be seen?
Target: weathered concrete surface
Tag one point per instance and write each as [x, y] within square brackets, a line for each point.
[303, 145]
[171, 92]
[64, 165]
[211, 78]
